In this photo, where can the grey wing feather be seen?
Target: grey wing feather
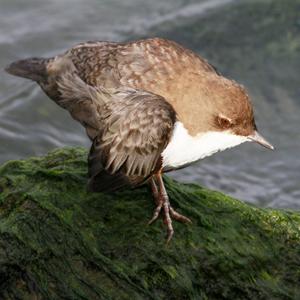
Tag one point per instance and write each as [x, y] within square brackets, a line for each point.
[134, 133]
[101, 180]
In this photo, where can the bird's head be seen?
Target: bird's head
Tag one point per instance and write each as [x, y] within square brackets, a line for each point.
[234, 114]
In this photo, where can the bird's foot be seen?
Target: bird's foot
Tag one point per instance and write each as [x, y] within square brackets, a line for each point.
[163, 204]
[170, 213]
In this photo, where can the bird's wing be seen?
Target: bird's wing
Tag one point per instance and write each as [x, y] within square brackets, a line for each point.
[132, 128]
[136, 128]
[73, 94]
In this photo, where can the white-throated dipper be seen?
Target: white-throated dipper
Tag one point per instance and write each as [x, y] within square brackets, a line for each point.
[149, 106]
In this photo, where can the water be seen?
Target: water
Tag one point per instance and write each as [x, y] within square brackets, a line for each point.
[249, 49]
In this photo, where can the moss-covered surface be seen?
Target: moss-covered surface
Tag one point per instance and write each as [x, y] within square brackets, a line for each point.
[59, 242]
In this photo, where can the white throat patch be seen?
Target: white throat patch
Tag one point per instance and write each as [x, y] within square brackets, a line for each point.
[184, 148]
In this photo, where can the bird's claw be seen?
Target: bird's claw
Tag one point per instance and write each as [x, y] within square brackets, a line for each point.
[169, 214]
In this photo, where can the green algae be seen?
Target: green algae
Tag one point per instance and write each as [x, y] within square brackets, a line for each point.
[57, 241]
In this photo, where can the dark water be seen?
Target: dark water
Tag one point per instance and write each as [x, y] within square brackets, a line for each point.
[255, 42]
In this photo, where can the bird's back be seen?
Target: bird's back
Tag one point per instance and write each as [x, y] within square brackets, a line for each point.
[143, 64]
[155, 65]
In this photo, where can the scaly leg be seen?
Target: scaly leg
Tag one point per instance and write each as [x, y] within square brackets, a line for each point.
[162, 202]
[157, 199]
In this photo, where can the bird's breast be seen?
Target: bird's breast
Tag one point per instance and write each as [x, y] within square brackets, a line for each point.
[184, 149]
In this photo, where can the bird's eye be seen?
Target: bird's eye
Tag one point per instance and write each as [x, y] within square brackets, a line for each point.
[223, 122]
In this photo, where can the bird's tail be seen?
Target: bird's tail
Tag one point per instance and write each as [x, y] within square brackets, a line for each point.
[31, 68]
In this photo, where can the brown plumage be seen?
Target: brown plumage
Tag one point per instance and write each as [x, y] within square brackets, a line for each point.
[139, 102]
[165, 68]
[120, 123]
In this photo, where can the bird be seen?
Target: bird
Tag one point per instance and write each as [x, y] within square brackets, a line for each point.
[149, 106]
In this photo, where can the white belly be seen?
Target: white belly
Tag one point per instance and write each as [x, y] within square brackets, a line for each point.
[184, 149]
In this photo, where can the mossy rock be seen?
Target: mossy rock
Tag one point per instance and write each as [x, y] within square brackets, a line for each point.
[57, 241]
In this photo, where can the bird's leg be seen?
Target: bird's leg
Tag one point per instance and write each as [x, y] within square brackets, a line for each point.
[162, 201]
[157, 199]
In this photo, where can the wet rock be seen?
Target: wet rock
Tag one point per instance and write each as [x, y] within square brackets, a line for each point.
[57, 241]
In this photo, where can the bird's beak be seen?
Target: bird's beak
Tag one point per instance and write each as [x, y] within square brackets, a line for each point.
[256, 137]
